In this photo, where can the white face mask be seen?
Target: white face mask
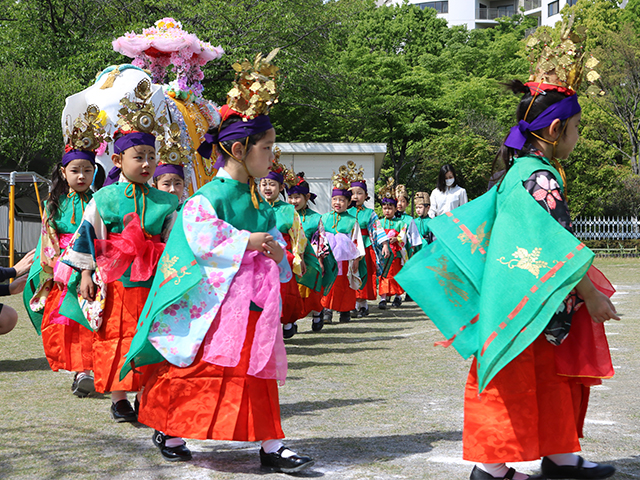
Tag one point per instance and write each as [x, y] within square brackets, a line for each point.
[450, 181]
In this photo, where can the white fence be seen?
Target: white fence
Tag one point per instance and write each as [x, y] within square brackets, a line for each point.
[607, 228]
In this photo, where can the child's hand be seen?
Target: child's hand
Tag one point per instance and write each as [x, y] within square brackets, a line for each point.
[272, 249]
[600, 307]
[385, 250]
[87, 287]
[393, 240]
[257, 240]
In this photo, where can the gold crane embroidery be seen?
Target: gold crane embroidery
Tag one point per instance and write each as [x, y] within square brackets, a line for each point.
[446, 279]
[166, 267]
[526, 261]
[481, 238]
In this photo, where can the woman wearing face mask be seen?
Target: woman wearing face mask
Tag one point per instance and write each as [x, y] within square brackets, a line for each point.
[449, 194]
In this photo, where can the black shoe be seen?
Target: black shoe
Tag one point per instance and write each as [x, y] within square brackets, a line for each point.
[355, 313]
[479, 474]
[345, 317]
[82, 385]
[551, 470]
[276, 463]
[364, 312]
[121, 411]
[289, 332]
[397, 301]
[172, 454]
[316, 326]
[382, 305]
[327, 316]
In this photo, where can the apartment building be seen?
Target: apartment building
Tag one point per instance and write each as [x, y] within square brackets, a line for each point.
[483, 13]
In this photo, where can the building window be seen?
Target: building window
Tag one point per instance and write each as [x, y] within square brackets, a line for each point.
[571, 2]
[440, 7]
[554, 8]
[506, 11]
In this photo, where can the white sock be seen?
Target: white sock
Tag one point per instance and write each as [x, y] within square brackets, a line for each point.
[118, 395]
[271, 446]
[383, 297]
[315, 314]
[360, 303]
[499, 470]
[570, 460]
[317, 319]
[288, 326]
[174, 442]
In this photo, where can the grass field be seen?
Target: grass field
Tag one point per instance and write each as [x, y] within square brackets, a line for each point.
[371, 399]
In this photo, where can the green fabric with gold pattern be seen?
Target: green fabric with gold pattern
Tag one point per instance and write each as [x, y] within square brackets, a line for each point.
[490, 282]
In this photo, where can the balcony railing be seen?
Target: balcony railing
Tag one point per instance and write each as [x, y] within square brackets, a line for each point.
[531, 4]
[493, 13]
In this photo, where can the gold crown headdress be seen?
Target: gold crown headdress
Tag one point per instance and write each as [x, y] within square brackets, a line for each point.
[356, 174]
[341, 180]
[254, 91]
[401, 191]
[289, 177]
[561, 64]
[389, 190]
[138, 114]
[421, 198]
[87, 132]
[172, 149]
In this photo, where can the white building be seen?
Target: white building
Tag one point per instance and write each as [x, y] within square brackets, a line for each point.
[483, 13]
[318, 161]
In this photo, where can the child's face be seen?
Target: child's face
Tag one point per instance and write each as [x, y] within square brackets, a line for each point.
[79, 174]
[260, 156]
[270, 189]
[421, 210]
[298, 200]
[358, 195]
[171, 183]
[402, 204]
[339, 203]
[137, 163]
[570, 137]
[388, 210]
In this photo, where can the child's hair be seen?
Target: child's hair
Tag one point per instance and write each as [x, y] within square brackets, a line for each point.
[303, 183]
[59, 189]
[532, 107]
[227, 144]
[442, 181]
[99, 177]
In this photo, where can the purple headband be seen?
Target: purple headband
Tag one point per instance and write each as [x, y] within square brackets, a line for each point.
[302, 191]
[78, 155]
[564, 109]
[391, 201]
[275, 176]
[235, 131]
[362, 185]
[337, 192]
[133, 139]
[165, 168]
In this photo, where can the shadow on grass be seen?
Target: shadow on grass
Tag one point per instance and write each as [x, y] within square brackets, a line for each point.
[335, 340]
[342, 328]
[24, 365]
[310, 351]
[330, 454]
[304, 408]
[303, 365]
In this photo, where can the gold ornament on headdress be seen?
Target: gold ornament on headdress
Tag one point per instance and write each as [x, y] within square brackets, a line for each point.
[389, 190]
[341, 180]
[88, 130]
[254, 91]
[172, 150]
[138, 114]
[290, 178]
[562, 63]
[355, 174]
[401, 191]
[421, 198]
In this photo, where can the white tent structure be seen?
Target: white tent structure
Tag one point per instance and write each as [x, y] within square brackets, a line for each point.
[318, 161]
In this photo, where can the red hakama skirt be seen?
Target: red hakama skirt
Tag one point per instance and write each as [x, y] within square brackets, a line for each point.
[526, 412]
[67, 347]
[112, 341]
[388, 286]
[368, 292]
[206, 401]
[341, 297]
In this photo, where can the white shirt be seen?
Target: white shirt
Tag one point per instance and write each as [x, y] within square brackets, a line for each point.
[442, 202]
